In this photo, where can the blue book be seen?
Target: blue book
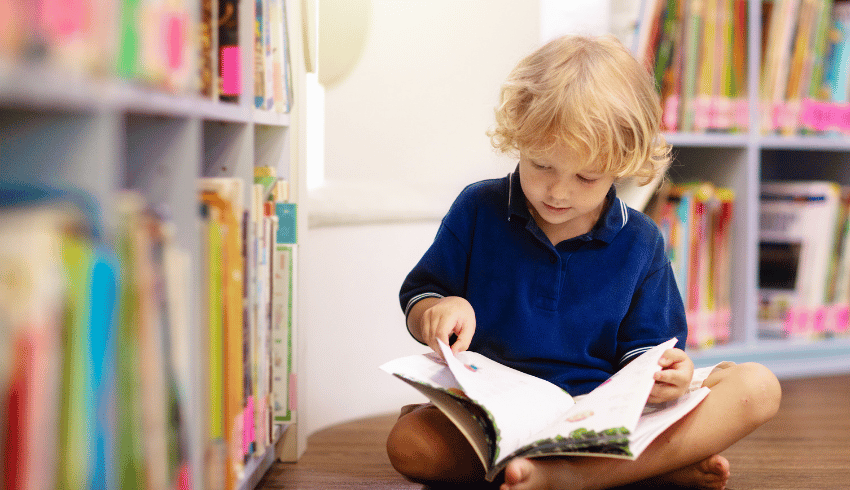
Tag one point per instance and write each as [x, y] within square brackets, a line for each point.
[104, 293]
[287, 231]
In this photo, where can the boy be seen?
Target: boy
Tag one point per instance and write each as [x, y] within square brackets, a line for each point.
[547, 271]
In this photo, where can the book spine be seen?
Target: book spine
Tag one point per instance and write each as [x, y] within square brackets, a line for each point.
[259, 56]
[283, 327]
[693, 33]
[230, 58]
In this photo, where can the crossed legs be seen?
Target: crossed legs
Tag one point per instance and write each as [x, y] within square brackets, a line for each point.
[425, 446]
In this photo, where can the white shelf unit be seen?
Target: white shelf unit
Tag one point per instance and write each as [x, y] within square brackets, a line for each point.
[104, 135]
[742, 162]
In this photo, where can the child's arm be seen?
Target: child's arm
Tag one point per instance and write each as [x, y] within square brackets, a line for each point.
[673, 380]
[438, 318]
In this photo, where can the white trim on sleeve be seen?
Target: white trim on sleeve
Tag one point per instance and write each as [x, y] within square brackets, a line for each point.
[632, 354]
[418, 298]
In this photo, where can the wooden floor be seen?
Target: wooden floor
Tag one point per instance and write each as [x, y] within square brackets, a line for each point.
[806, 446]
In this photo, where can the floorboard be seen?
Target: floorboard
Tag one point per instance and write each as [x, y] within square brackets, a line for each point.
[806, 446]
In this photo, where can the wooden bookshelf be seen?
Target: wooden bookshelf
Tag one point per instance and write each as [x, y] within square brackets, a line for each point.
[103, 134]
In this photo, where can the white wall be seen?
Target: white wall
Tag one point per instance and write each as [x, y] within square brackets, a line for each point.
[353, 321]
[404, 132]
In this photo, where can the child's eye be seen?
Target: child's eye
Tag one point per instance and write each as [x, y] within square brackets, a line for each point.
[538, 166]
[587, 180]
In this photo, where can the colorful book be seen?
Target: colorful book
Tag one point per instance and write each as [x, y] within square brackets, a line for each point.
[225, 196]
[104, 300]
[284, 266]
[837, 78]
[207, 49]
[229, 54]
[721, 266]
[31, 350]
[739, 66]
[691, 60]
[671, 86]
[260, 25]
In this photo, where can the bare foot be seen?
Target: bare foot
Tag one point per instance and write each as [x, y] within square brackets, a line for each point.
[712, 473]
[538, 474]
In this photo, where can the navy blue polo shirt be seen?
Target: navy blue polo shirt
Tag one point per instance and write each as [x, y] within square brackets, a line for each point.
[572, 313]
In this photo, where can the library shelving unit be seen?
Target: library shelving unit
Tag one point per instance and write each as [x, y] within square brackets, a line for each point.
[101, 135]
[742, 161]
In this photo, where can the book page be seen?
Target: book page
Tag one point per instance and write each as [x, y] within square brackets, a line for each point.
[429, 374]
[657, 418]
[613, 409]
[519, 405]
[429, 369]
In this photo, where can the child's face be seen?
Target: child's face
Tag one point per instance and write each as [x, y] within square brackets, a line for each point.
[564, 195]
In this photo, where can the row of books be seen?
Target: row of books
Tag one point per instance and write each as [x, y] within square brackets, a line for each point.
[804, 260]
[273, 67]
[695, 220]
[177, 46]
[697, 50]
[249, 258]
[806, 54]
[96, 348]
[93, 353]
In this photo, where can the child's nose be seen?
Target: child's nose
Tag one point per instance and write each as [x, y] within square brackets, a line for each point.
[560, 189]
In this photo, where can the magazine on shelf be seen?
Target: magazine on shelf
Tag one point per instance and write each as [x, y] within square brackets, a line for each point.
[506, 414]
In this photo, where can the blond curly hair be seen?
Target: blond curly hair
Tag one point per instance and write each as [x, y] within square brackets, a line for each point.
[591, 95]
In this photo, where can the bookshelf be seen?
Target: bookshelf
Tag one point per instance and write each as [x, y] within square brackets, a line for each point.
[103, 134]
[742, 161]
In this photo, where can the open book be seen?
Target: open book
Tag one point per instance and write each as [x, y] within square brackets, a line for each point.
[507, 414]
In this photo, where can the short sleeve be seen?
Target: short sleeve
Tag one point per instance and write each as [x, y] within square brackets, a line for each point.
[656, 313]
[442, 269]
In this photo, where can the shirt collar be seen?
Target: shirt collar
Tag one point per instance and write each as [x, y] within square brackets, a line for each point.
[516, 198]
[613, 220]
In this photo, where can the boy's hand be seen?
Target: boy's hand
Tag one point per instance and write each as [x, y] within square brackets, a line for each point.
[446, 316]
[673, 380]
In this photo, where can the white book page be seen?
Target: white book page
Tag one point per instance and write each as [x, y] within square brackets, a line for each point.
[428, 369]
[655, 421]
[520, 404]
[617, 402]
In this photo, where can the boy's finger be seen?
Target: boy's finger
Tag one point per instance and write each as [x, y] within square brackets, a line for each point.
[668, 377]
[670, 357]
[464, 338]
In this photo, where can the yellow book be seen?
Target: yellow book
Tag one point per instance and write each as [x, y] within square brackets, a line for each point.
[232, 328]
[705, 83]
[77, 392]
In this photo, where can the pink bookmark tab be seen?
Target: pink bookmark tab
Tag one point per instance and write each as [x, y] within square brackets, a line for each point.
[823, 116]
[175, 40]
[231, 83]
[819, 319]
[841, 311]
[741, 110]
[793, 320]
